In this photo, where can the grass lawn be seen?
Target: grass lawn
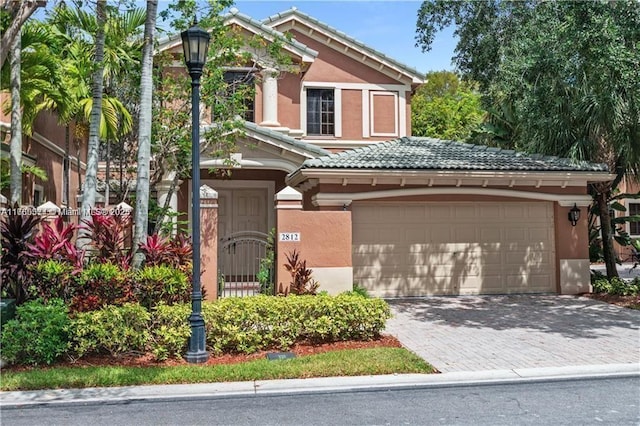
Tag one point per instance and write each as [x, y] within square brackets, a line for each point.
[349, 362]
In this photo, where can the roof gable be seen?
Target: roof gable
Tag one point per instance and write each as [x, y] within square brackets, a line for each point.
[253, 26]
[344, 43]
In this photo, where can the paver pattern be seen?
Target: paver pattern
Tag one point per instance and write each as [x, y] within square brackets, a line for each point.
[474, 333]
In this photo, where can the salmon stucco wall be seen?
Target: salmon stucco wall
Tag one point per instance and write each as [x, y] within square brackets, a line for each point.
[573, 274]
[325, 244]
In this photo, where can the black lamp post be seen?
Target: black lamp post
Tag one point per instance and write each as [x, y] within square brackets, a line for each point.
[195, 43]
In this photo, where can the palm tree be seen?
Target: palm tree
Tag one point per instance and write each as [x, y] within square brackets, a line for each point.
[89, 192]
[144, 132]
[34, 76]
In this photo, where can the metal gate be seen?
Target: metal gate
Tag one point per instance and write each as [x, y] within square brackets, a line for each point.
[239, 258]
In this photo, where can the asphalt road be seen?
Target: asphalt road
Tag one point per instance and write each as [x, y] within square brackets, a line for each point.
[614, 401]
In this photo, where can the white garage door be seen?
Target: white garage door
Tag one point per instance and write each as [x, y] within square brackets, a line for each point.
[454, 248]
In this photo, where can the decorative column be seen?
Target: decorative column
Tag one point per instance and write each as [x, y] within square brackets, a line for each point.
[209, 241]
[48, 211]
[270, 97]
[163, 188]
[125, 211]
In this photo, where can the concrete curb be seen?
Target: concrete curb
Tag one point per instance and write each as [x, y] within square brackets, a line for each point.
[315, 385]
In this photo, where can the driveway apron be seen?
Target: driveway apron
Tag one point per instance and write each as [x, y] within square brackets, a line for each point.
[474, 333]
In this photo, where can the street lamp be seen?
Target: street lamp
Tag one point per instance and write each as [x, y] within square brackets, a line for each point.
[195, 43]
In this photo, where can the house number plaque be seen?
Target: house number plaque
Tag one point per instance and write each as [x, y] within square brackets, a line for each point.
[290, 236]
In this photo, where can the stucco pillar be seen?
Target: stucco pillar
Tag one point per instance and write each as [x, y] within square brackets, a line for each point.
[322, 238]
[124, 212]
[572, 250]
[270, 97]
[162, 189]
[48, 211]
[209, 241]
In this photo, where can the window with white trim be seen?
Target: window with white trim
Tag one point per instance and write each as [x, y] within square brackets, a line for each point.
[321, 112]
[633, 209]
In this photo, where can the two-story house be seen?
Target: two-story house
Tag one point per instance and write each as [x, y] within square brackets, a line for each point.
[328, 161]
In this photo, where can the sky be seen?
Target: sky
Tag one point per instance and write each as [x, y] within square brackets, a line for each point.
[388, 26]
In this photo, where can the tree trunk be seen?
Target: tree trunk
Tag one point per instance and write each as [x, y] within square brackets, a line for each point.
[144, 134]
[24, 10]
[15, 183]
[601, 198]
[89, 192]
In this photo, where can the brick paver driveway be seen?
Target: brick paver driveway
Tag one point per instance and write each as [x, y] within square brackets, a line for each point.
[474, 333]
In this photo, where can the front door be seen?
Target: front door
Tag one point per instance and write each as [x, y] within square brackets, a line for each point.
[243, 227]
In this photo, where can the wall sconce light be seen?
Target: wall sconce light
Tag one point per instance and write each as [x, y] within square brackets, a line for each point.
[574, 215]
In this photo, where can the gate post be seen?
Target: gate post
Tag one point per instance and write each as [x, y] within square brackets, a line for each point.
[287, 201]
[209, 241]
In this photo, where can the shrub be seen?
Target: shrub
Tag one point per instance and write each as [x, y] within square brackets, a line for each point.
[101, 284]
[114, 329]
[615, 286]
[358, 290]
[53, 279]
[255, 323]
[38, 335]
[155, 284]
[170, 331]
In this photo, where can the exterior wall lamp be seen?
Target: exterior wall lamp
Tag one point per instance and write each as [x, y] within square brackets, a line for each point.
[195, 43]
[574, 215]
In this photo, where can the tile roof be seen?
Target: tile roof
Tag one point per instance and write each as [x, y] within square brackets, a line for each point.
[261, 26]
[287, 140]
[341, 35]
[413, 153]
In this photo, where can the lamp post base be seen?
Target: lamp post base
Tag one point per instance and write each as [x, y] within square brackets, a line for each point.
[199, 357]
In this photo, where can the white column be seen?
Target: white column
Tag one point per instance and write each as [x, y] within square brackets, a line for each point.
[270, 97]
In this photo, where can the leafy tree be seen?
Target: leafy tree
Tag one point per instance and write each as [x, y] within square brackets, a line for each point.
[569, 70]
[445, 108]
[171, 147]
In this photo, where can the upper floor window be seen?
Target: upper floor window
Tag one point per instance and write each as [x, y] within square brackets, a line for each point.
[634, 227]
[239, 93]
[320, 112]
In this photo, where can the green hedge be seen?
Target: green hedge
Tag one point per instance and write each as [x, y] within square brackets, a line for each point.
[232, 325]
[615, 286]
[38, 334]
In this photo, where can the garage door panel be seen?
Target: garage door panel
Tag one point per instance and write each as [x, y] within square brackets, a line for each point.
[454, 248]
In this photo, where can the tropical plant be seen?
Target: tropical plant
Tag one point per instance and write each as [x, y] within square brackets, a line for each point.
[109, 237]
[55, 242]
[17, 231]
[53, 279]
[102, 284]
[301, 280]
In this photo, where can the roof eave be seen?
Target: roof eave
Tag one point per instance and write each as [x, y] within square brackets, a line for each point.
[456, 177]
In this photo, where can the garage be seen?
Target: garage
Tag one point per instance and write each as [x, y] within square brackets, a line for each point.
[454, 248]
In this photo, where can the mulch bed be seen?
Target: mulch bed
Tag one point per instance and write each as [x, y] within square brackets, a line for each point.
[631, 302]
[147, 360]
